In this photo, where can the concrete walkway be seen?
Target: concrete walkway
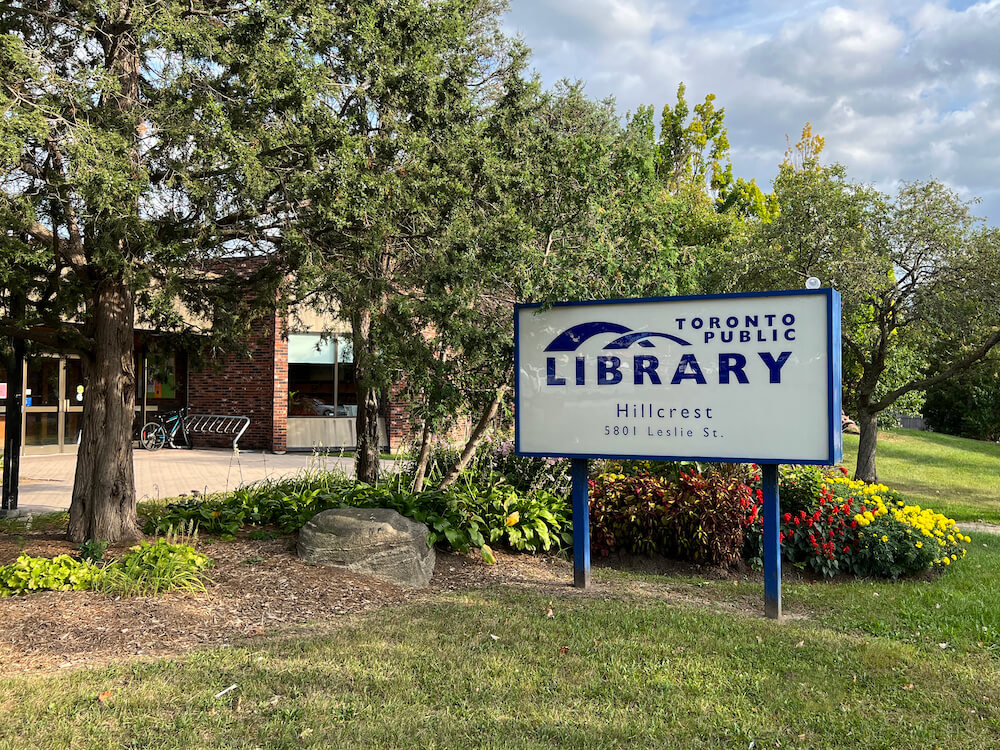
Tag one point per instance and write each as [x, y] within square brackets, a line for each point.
[47, 481]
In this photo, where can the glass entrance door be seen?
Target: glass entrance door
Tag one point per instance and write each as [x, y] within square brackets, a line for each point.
[53, 404]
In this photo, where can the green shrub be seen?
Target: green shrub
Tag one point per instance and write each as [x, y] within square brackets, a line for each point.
[63, 573]
[537, 522]
[495, 462]
[150, 569]
[459, 518]
[93, 551]
[213, 516]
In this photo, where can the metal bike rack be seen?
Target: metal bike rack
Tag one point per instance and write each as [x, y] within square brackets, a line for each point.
[216, 424]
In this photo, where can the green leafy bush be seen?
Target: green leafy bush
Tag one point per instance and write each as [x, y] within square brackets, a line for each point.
[213, 516]
[459, 518]
[63, 573]
[146, 569]
[495, 462]
[149, 569]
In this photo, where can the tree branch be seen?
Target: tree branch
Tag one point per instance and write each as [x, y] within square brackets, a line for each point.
[918, 385]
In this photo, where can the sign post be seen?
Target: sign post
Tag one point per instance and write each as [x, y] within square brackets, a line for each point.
[12, 431]
[772, 542]
[740, 378]
[581, 523]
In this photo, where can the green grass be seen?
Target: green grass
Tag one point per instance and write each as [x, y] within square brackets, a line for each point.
[656, 662]
[51, 522]
[956, 476]
[491, 669]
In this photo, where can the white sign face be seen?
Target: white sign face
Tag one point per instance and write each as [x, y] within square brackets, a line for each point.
[747, 378]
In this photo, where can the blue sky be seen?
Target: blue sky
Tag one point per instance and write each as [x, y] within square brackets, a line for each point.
[900, 90]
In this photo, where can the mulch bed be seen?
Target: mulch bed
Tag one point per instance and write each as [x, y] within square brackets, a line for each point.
[259, 588]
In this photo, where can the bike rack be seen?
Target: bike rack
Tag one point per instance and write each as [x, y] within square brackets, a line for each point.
[217, 424]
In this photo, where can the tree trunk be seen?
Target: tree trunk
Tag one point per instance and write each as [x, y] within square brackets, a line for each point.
[422, 457]
[366, 458]
[475, 438]
[868, 424]
[103, 504]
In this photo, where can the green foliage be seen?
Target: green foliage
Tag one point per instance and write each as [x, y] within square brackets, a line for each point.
[800, 487]
[967, 405]
[212, 516]
[63, 573]
[149, 569]
[464, 516]
[699, 517]
[916, 271]
[496, 462]
[145, 570]
[536, 522]
[93, 551]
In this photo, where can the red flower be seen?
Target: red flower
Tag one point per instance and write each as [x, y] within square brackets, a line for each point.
[809, 522]
[781, 536]
[802, 515]
[844, 469]
[847, 549]
[854, 524]
[788, 518]
[797, 522]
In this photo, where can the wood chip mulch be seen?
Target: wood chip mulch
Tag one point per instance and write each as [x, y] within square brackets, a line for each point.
[258, 589]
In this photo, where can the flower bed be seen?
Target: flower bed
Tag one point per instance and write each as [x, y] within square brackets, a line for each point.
[858, 528]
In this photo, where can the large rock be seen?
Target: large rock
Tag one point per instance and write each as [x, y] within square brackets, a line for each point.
[374, 541]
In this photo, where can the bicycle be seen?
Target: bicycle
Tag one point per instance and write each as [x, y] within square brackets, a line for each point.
[162, 430]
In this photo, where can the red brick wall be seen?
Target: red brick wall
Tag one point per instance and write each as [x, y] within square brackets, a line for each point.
[279, 383]
[253, 385]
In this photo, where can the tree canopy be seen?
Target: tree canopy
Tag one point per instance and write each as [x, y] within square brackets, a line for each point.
[917, 273]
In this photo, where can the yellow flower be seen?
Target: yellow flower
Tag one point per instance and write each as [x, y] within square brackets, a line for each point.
[946, 561]
[885, 538]
[919, 545]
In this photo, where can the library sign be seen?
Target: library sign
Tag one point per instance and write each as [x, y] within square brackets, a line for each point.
[742, 378]
[747, 378]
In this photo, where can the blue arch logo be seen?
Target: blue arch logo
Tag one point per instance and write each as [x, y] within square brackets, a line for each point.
[572, 338]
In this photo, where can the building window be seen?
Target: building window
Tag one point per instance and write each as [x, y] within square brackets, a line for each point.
[321, 376]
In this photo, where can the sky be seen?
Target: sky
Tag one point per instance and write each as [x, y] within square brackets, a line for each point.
[899, 90]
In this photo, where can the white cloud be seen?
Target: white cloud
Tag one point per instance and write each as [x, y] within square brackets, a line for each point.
[900, 90]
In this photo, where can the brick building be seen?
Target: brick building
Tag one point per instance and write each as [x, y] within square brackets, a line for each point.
[296, 386]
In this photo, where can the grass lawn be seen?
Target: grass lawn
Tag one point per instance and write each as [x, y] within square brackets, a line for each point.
[863, 664]
[648, 662]
[956, 476]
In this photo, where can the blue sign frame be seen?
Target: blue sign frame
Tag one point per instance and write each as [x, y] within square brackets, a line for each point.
[835, 439]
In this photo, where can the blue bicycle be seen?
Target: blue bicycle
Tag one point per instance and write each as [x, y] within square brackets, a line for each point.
[162, 431]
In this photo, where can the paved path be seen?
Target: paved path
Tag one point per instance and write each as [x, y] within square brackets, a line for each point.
[986, 528]
[47, 481]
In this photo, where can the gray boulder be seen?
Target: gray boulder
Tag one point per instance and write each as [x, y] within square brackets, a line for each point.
[373, 541]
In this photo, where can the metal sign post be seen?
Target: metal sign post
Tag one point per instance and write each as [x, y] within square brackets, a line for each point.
[12, 430]
[772, 541]
[581, 523]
